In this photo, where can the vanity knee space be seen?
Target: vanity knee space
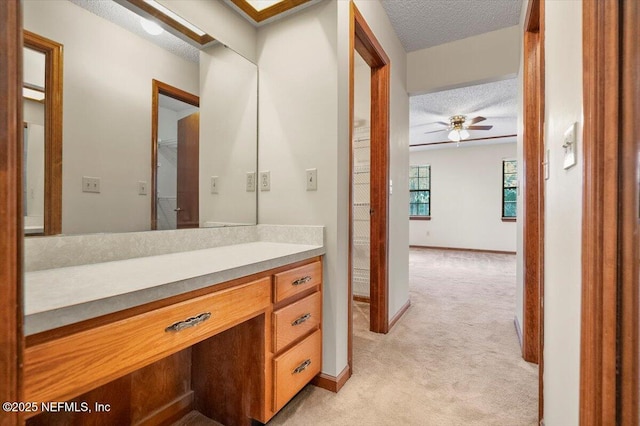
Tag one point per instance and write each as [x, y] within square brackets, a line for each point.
[251, 346]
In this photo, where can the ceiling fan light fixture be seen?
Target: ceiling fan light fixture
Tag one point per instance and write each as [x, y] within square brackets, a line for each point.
[454, 135]
[464, 134]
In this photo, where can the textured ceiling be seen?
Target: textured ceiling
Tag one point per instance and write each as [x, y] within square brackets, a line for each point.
[128, 20]
[426, 23]
[497, 102]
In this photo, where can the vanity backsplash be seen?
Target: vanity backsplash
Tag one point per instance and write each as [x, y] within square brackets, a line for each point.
[62, 251]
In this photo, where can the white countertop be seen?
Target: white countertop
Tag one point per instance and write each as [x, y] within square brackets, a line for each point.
[62, 296]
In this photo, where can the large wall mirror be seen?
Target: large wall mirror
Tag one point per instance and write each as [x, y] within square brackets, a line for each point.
[130, 148]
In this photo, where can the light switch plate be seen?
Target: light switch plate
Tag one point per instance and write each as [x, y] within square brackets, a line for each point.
[90, 184]
[214, 184]
[265, 181]
[312, 179]
[251, 181]
[142, 187]
[569, 143]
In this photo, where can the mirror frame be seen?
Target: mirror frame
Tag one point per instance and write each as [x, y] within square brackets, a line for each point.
[52, 129]
[160, 88]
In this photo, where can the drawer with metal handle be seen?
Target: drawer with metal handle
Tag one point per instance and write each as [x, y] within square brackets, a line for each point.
[296, 320]
[296, 367]
[63, 368]
[297, 280]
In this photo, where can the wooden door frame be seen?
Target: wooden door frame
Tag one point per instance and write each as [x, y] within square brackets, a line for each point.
[533, 182]
[159, 88]
[363, 41]
[52, 129]
[610, 313]
[11, 221]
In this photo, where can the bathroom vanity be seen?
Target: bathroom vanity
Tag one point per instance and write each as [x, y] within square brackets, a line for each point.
[234, 337]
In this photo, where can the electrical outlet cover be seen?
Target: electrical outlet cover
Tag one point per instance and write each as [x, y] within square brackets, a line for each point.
[251, 181]
[265, 181]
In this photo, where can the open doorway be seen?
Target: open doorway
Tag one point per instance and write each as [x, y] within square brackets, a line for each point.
[175, 158]
[361, 183]
[364, 43]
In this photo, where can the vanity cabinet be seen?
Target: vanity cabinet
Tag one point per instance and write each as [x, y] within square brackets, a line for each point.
[235, 352]
[297, 339]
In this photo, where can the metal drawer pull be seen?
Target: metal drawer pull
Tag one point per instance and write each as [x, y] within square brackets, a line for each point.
[302, 280]
[302, 367]
[189, 322]
[301, 319]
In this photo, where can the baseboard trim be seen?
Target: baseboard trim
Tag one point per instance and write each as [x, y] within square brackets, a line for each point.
[330, 383]
[399, 314]
[363, 299]
[170, 412]
[516, 323]
[464, 249]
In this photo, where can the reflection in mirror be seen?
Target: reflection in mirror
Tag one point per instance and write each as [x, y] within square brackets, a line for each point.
[108, 75]
[42, 108]
[175, 132]
[33, 141]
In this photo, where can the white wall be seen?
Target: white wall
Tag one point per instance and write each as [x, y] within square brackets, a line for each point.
[220, 21]
[106, 113]
[466, 194]
[229, 119]
[563, 214]
[479, 59]
[298, 130]
[304, 101]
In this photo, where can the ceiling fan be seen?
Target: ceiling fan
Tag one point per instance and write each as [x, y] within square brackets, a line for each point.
[458, 127]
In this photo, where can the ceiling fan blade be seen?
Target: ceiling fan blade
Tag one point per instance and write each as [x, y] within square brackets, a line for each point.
[476, 120]
[443, 123]
[436, 131]
[479, 127]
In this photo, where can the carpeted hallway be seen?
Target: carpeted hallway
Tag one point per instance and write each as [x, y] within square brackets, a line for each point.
[453, 359]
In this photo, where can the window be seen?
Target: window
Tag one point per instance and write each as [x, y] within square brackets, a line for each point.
[420, 192]
[509, 189]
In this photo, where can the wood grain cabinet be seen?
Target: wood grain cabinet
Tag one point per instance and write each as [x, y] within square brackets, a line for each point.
[297, 335]
[236, 352]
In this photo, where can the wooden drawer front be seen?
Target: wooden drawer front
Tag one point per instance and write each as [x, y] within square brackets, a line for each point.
[63, 368]
[291, 375]
[297, 280]
[296, 320]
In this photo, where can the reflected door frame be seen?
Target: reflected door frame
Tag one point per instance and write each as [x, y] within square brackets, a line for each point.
[52, 129]
[160, 88]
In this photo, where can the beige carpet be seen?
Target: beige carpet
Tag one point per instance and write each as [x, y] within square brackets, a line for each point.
[453, 359]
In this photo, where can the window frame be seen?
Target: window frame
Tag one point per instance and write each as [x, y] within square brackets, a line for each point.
[428, 190]
[503, 188]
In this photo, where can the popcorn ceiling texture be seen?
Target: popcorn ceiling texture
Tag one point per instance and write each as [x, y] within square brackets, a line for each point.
[427, 23]
[496, 101]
